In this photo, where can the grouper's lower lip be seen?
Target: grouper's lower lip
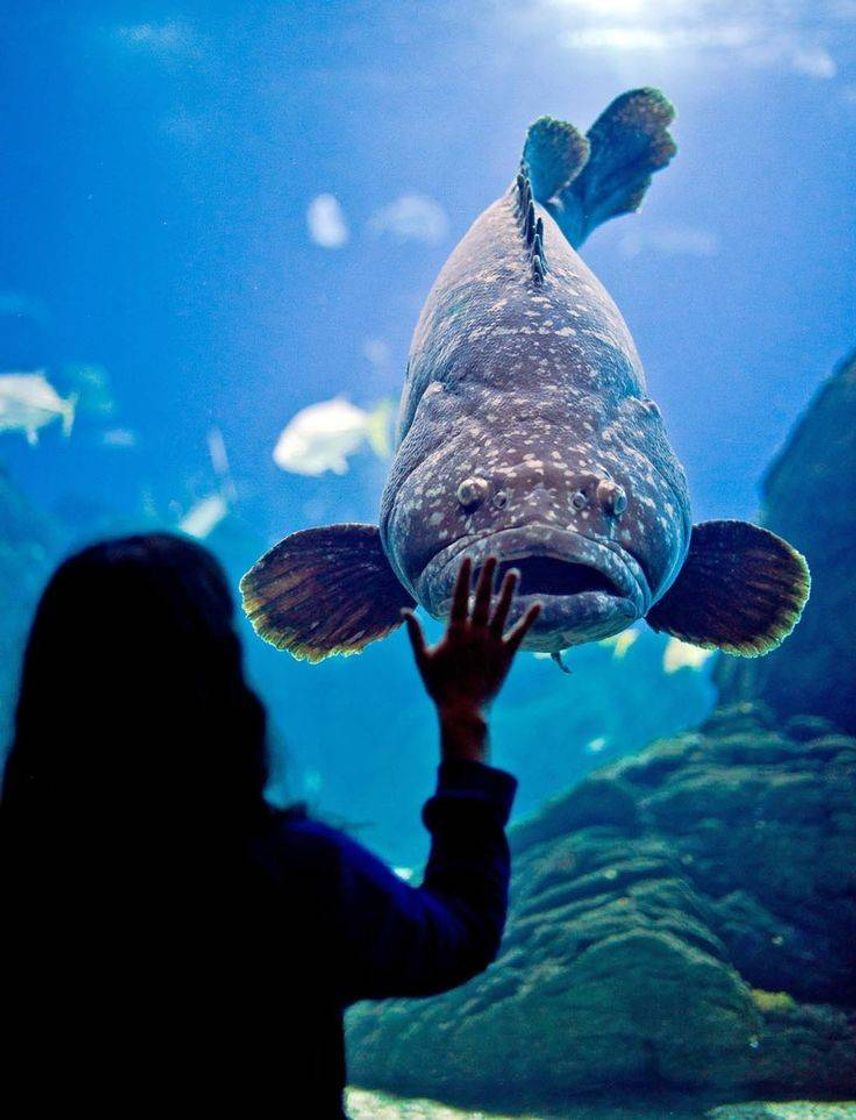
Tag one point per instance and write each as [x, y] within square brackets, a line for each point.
[589, 588]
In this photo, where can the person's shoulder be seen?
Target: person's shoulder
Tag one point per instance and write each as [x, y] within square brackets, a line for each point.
[300, 869]
[291, 836]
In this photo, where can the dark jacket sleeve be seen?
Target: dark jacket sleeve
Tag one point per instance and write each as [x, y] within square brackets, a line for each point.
[399, 940]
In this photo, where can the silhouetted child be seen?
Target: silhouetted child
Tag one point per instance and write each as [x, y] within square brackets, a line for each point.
[171, 942]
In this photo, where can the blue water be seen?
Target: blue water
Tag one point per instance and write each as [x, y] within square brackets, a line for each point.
[158, 168]
[158, 165]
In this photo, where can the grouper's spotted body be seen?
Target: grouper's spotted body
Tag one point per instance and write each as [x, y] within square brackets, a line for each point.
[532, 384]
[525, 430]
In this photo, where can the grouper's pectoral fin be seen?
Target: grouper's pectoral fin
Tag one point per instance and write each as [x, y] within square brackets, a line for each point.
[627, 143]
[741, 589]
[324, 591]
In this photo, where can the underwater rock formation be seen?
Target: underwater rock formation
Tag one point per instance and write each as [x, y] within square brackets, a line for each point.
[807, 498]
[683, 919]
[365, 1105]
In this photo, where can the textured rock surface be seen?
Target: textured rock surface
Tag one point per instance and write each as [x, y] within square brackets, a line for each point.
[363, 1105]
[808, 498]
[785, 1110]
[685, 918]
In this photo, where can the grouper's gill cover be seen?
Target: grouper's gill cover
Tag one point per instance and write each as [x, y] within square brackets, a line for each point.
[525, 430]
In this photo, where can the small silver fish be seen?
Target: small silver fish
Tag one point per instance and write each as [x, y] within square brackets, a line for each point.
[202, 519]
[526, 431]
[28, 402]
[321, 436]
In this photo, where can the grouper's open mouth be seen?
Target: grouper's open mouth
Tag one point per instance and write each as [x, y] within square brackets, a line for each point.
[589, 587]
[543, 575]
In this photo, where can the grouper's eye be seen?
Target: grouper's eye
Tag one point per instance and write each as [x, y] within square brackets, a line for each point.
[471, 492]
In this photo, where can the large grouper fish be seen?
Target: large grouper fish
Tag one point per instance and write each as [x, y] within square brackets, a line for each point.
[525, 431]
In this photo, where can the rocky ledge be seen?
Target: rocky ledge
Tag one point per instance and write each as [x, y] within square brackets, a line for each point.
[684, 919]
[807, 499]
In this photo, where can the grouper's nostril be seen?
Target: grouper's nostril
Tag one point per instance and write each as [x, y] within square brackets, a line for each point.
[611, 497]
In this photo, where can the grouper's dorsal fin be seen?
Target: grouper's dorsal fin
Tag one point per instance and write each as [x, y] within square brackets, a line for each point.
[628, 142]
[531, 228]
[553, 155]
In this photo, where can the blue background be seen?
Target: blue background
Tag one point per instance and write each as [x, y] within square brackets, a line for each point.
[158, 163]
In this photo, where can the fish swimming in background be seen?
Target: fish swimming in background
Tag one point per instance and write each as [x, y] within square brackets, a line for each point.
[621, 643]
[124, 438]
[93, 389]
[220, 462]
[320, 437]
[29, 402]
[204, 516]
[526, 431]
[202, 519]
[682, 655]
